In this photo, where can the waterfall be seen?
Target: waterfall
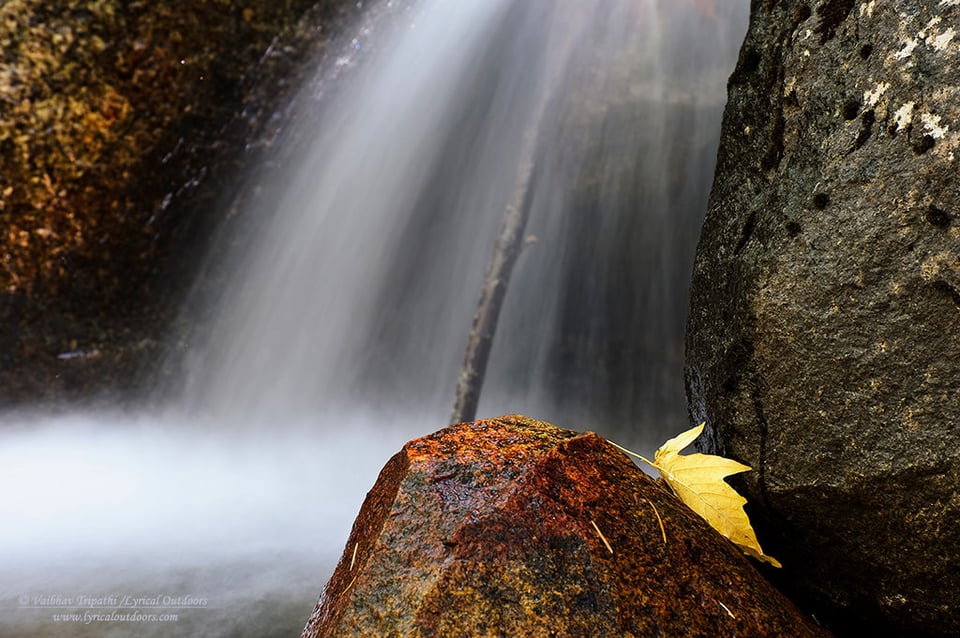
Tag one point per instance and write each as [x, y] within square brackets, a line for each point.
[354, 261]
[377, 239]
[360, 291]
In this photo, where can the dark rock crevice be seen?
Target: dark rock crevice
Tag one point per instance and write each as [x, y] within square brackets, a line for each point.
[831, 14]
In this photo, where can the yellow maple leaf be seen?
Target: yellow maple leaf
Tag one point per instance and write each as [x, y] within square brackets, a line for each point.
[697, 480]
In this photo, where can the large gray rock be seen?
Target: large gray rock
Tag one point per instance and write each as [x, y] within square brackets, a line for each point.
[824, 334]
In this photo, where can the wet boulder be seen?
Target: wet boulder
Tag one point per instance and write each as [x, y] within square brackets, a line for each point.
[513, 527]
[822, 344]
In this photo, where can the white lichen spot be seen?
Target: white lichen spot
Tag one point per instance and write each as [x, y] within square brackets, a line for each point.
[942, 41]
[872, 97]
[907, 49]
[932, 123]
[903, 116]
[806, 53]
[867, 9]
[949, 3]
[746, 130]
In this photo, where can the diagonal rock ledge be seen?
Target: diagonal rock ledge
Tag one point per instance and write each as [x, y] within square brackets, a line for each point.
[512, 526]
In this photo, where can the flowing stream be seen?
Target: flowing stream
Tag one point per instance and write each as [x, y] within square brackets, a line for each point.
[355, 261]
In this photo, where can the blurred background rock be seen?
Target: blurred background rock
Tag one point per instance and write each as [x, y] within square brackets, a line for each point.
[121, 123]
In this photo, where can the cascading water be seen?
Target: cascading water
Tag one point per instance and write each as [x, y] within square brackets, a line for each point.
[377, 241]
[362, 289]
[340, 333]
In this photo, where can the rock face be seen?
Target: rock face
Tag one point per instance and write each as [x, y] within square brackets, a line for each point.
[120, 125]
[823, 343]
[494, 528]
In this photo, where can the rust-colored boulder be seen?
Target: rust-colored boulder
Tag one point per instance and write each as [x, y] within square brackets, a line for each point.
[513, 527]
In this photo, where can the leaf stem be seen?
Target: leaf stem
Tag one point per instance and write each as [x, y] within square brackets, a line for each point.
[634, 454]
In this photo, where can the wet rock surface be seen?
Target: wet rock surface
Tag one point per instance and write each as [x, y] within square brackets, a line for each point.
[120, 125]
[823, 343]
[514, 527]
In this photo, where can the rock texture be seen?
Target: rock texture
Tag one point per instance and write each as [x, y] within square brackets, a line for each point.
[121, 123]
[513, 527]
[824, 333]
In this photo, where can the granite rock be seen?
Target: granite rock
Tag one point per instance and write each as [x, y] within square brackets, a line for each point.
[822, 344]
